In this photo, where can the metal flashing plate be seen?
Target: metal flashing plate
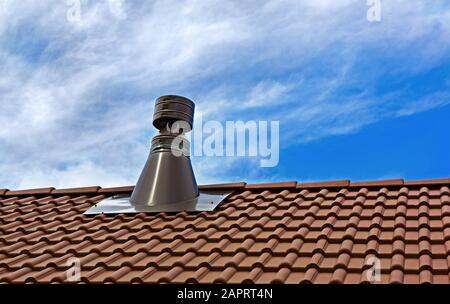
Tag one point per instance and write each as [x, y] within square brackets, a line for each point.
[206, 201]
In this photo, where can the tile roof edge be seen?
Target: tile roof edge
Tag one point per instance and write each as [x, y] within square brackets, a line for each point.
[435, 181]
[117, 190]
[274, 185]
[325, 184]
[35, 191]
[239, 185]
[79, 190]
[378, 183]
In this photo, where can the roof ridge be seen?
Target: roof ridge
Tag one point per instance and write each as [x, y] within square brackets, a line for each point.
[236, 186]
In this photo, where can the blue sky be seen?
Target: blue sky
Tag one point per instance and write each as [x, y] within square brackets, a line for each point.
[355, 99]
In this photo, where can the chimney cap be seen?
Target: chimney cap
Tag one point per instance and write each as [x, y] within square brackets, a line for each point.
[172, 108]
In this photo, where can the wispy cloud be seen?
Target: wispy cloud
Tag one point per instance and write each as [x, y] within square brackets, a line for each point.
[76, 98]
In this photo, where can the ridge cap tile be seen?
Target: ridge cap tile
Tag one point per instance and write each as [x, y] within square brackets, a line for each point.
[34, 191]
[237, 185]
[78, 190]
[325, 184]
[116, 190]
[426, 182]
[273, 185]
[378, 183]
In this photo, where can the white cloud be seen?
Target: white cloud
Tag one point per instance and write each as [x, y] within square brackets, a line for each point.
[76, 98]
[80, 175]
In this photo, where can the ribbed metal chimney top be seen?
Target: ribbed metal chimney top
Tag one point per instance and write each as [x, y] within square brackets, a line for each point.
[167, 183]
[172, 108]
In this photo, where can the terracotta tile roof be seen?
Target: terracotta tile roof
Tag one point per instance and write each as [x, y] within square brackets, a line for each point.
[268, 233]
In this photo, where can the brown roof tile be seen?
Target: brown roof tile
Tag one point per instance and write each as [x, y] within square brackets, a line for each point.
[378, 183]
[223, 186]
[326, 184]
[37, 191]
[117, 190]
[82, 190]
[436, 181]
[278, 185]
[268, 233]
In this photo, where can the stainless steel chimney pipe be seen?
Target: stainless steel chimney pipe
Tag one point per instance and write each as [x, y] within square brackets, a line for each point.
[167, 182]
[167, 177]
